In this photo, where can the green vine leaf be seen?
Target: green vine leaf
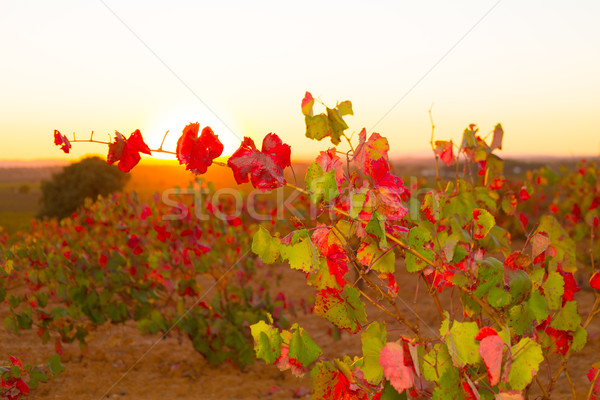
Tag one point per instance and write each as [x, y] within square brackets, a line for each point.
[265, 246]
[418, 239]
[342, 308]
[302, 348]
[462, 346]
[527, 356]
[321, 185]
[373, 339]
[267, 341]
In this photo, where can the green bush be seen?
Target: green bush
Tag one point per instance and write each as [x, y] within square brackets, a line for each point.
[67, 190]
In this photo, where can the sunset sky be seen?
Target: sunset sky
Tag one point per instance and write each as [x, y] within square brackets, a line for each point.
[243, 68]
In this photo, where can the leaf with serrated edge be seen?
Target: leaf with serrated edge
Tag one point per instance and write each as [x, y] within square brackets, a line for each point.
[462, 345]
[344, 309]
[554, 288]
[265, 246]
[418, 237]
[373, 339]
[302, 348]
[301, 256]
[436, 362]
[527, 356]
[267, 341]
[580, 337]
[394, 370]
[567, 318]
[490, 350]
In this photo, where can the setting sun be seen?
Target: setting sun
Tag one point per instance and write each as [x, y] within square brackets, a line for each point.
[174, 119]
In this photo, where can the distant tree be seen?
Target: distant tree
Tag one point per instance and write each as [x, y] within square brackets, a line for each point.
[24, 189]
[67, 190]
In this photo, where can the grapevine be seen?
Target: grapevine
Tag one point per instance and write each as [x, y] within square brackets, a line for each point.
[504, 315]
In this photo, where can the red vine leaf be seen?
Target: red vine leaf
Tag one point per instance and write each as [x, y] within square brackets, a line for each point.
[264, 167]
[198, 153]
[136, 142]
[490, 351]
[62, 141]
[517, 261]
[394, 369]
[592, 376]
[127, 151]
[443, 149]
[595, 281]
[370, 150]
[307, 104]
[485, 332]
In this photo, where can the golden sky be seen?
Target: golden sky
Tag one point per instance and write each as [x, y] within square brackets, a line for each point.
[243, 67]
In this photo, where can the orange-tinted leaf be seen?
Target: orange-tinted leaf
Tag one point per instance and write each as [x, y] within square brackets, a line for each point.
[497, 139]
[444, 150]
[307, 104]
[370, 150]
[394, 370]
[490, 350]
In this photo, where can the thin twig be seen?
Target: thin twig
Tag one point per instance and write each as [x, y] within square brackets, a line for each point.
[163, 141]
[592, 248]
[542, 388]
[88, 141]
[349, 142]
[569, 379]
[591, 391]
[437, 168]
[398, 317]
[433, 294]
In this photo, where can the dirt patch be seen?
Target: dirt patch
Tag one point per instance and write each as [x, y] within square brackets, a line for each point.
[120, 363]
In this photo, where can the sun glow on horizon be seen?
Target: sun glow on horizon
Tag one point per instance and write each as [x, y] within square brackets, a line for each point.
[175, 119]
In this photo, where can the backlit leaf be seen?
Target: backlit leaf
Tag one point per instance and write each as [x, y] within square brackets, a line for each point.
[321, 185]
[265, 246]
[580, 337]
[484, 221]
[436, 362]
[127, 151]
[265, 167]
[561, 241]
[307, 104]
[198, 153]
[302, 255]
[345, 108]
[497, 138]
